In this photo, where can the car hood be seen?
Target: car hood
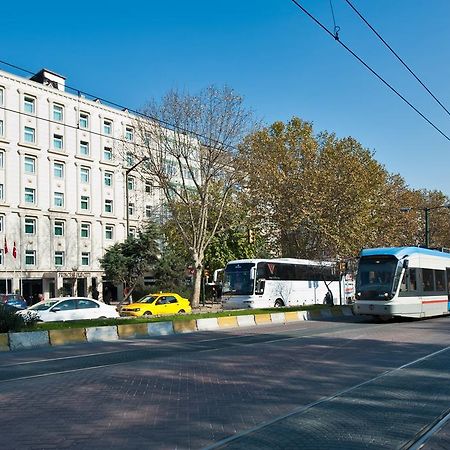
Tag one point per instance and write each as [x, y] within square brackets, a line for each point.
[137, 305]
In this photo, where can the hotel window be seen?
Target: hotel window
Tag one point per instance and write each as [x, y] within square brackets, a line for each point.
[29, 104]
[2, 96]
[58, 113]
[84, 203]
[2, 159]
[108, 178]
[29, 135]
[84, 175]
[30, 225]
[132, 232]
[109, 206]
[84, 148]
[129, 159]
[107, 154]
[85, 258]
[129, 134]
[85, 230]
[2, 224]
[58, 170]
[59, 258]
[2, 261]
[107, 127]
[84, 120]
[30, 257]
[30, 164]
[109, 232]
[58, 228]
[2, 192]
[131, 209]
[131, 183]
[148, 187]
[58, 200]
[148, 211]
[30, 196]
[2, 128]
[57, 142]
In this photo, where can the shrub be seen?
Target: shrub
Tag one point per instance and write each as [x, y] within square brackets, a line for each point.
[10, 321]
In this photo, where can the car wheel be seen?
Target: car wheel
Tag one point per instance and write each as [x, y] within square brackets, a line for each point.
[279, 303]
[147, 313]
[102, 317]
[181, 311]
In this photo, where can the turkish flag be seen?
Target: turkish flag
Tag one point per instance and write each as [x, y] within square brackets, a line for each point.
[6, 247]
[14, 252]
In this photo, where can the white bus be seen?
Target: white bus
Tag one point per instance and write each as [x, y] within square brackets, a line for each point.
[403, 281]
[269, 283]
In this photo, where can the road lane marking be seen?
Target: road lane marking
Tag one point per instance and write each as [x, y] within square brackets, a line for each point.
[303, 409]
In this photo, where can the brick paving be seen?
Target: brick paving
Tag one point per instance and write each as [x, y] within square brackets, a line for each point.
[192, 399]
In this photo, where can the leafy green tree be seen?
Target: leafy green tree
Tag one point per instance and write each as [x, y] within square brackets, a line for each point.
[127, 262]
[319, 196]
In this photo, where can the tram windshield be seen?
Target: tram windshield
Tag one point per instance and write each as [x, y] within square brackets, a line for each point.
[376, 277]
[238, 279]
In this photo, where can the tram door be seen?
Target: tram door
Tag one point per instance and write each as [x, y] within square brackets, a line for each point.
[448, 288]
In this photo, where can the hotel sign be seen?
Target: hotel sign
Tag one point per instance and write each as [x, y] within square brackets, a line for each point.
[73, 274]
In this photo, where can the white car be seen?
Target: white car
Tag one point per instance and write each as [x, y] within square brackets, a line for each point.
[70, 308]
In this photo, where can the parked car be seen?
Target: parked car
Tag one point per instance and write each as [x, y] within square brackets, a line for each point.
[70, 308]
[157, 304]
[15, 300]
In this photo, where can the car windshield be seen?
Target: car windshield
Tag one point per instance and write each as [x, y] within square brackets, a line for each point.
[44, 305]
[237, 279]
[148, 299]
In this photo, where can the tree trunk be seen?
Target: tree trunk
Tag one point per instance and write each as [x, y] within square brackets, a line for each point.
[197, 288]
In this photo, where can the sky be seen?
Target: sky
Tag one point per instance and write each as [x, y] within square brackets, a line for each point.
[270, 52]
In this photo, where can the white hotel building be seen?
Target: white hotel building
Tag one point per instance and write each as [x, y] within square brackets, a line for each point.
[62, 192]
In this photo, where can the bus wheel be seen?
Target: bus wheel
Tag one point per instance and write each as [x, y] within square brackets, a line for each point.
[279, 303]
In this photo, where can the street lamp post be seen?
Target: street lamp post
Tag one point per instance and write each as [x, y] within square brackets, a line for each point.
[127, 171]
[427, 210]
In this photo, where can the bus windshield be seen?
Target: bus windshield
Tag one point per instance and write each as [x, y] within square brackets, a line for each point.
[237, 279]
[376, 276]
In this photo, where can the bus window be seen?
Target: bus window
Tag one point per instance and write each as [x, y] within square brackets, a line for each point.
[428, 282]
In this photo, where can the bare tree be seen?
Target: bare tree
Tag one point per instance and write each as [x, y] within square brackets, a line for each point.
[190, 147]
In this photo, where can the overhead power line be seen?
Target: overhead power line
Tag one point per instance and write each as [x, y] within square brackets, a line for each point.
[371, 70]
[134, 111]
[398, 57]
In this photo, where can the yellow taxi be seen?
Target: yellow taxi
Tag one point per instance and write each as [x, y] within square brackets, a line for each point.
[157, 305]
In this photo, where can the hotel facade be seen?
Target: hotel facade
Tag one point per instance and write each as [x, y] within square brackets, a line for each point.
[63, 160]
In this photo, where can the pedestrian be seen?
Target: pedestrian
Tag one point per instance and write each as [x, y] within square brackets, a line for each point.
[107, 296]
[41, 298]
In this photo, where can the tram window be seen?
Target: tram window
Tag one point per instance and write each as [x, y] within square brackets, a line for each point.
[439, 276]
[404, 281]
[428, 282]
[412, 280]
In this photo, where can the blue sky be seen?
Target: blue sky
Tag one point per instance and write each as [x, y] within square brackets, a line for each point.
[270, 52]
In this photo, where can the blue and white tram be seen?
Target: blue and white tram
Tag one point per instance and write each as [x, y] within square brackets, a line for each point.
[403, 281]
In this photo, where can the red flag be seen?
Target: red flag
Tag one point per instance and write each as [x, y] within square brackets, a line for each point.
[6, 247]
[14, 253]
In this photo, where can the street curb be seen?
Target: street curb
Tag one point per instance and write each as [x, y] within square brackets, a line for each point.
[36, 339]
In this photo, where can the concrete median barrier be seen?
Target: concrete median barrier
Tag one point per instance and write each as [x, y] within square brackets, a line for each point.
[99, 334]
[277, 317]
[184, 326]
[262, 319]
[326, 314]
[207, 324]
[130, 331]
[227, 322]
[68, 336]
[293, 316]
[4, 342]
[347, 310]
[160, 328]
[246, 321]
[31, 339]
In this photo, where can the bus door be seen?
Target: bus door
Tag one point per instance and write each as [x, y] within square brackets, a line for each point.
[448, 288]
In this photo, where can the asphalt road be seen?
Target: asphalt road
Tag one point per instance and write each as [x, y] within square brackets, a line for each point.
[309, 385]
